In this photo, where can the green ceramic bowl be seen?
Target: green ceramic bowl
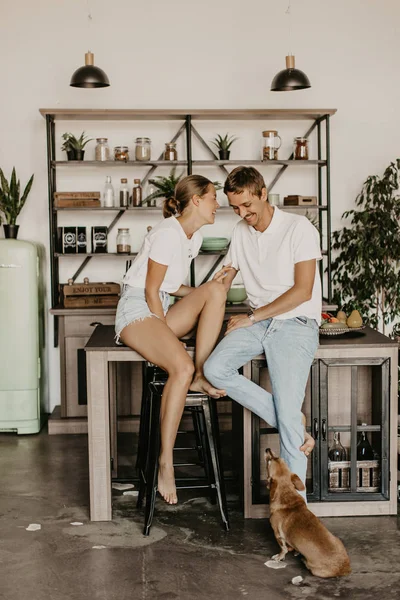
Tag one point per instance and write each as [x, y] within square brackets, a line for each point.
[236, 294]
[214, 243]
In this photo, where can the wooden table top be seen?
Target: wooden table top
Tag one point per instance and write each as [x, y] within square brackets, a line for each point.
[102, 339]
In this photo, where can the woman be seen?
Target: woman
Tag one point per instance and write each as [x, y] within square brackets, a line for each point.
[145, 322]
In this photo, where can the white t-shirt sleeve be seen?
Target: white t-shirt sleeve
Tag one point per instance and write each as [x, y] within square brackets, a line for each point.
[163, 246]
[232, 254]
[305, 242]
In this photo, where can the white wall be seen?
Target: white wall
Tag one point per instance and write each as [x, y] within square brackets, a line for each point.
[198, 54]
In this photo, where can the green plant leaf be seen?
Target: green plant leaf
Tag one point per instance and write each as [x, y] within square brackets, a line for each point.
[366, 270]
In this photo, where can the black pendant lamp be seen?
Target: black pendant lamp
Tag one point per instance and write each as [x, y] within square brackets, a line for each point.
[89, 76]
[290, 78]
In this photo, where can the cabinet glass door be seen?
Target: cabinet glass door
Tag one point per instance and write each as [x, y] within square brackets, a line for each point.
[354, 429]
[264, 436]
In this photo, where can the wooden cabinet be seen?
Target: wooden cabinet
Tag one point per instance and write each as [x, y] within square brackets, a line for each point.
[76, 327]
[352, 389]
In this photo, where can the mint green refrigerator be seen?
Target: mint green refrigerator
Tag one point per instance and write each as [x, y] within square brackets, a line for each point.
[21, 336]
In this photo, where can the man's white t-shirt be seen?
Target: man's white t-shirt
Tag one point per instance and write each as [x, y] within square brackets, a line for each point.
[166, 244]
[266, 260]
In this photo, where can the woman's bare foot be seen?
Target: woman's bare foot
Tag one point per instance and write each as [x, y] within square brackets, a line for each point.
[166, 483]
[200, 384]
[309, 441]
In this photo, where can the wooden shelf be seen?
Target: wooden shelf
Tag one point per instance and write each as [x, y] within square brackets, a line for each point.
[107, 254]
[265, 163]
[131, 208]
[88, 114]
[117, 163]
[98, 254]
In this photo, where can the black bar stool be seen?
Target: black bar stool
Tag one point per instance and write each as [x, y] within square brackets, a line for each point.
[206, 429]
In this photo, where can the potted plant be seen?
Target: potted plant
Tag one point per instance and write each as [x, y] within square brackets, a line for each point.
[366, 271]
[223, 144]
[11, 203]
[74, 147]
[166, 187]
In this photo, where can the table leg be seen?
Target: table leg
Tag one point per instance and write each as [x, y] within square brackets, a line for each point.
[99, 436]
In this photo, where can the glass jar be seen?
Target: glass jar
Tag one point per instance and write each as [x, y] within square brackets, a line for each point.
[143, 149]
[123, 241]
[121, 153]
[300, 148]
[272, 143]
[102, 150]
[170, 152]
[124, 193]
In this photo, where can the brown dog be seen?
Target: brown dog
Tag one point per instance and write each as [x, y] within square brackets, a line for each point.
[297, 528]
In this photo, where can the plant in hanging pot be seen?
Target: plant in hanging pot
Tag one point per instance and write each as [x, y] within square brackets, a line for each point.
[11, 203]
[223, 144]
[73, 146]
[366, 271]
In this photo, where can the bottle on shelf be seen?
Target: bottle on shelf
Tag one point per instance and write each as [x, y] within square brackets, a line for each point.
[170, 152]
[124, 193]
[136, 193]
[364, 448]
[336, 451]
[108, 193]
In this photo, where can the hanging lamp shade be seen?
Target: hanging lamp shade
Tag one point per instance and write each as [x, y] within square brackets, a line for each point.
[290, 78]
[89, 76]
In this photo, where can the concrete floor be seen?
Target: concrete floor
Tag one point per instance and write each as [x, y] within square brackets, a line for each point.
[44, 480]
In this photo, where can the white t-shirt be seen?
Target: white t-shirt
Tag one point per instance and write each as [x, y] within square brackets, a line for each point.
[266, 260]
[166, 244]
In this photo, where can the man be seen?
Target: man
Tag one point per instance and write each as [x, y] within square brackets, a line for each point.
[276, 253]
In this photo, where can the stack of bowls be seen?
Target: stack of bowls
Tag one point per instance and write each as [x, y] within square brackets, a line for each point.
[214, 244]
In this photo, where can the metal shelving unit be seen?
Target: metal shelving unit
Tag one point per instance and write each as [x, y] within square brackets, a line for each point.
[320, 124]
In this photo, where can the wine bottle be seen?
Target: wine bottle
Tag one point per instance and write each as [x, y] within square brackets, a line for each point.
[336, 451]
[364, 448]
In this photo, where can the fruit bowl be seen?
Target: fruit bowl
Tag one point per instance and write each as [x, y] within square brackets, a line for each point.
[340, 331]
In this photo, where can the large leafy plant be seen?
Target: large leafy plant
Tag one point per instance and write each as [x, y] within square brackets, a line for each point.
[11, 202]
[365, 273]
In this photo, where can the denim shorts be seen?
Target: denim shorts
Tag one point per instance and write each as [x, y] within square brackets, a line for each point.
[132, 306]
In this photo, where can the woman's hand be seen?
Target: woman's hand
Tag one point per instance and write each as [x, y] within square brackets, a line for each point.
[238, 322]
[225, 276]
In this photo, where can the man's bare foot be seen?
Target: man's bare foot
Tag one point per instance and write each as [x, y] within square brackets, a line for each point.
[309, 441]
[200, 384]
[166, 483]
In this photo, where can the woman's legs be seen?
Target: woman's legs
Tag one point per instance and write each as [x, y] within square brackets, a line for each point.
[205, 306]
[155, 341]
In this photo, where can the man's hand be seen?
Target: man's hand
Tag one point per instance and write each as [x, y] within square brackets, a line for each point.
[238, 322]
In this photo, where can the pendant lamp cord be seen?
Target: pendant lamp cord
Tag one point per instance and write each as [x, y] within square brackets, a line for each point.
[90, 19]
[288, 12]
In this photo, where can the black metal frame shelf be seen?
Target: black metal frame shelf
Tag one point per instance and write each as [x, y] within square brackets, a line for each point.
[320, 118]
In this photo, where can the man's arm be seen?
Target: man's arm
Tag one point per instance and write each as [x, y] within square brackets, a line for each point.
[304, 276]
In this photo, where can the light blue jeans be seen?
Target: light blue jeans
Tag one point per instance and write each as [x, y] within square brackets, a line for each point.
[289, 346]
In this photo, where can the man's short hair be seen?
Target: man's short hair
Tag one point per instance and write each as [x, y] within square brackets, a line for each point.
[245, 178]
